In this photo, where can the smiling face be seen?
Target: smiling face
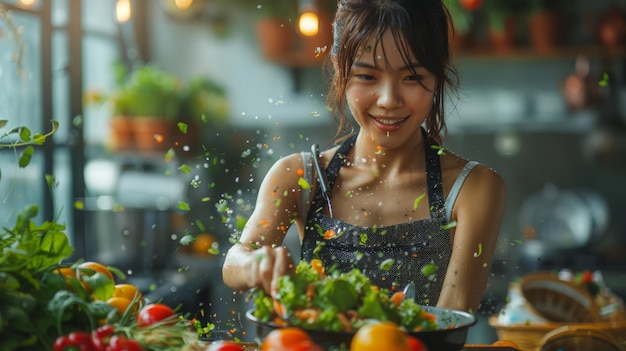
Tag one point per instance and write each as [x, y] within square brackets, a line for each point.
[388, 95]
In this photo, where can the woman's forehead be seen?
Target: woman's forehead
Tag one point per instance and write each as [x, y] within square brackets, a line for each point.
[387, 48]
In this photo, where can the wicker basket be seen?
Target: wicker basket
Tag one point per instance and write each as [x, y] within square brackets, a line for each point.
[557, 300]
[581, 338]
[530, 337]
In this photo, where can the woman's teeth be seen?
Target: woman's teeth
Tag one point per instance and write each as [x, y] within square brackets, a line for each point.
[388, 121]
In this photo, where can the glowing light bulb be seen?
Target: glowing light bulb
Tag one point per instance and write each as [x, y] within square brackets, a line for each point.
[308, 23]
[122, 11]
[183, 4]
[28, 3]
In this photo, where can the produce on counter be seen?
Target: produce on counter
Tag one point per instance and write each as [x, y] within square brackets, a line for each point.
[289, 339]
[332, 301]
[225, 345]
[47, 305]
[374, 336]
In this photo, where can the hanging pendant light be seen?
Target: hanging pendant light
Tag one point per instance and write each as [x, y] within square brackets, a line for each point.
[183, 4]
[27, 3]
[308, 19]
[123, 11]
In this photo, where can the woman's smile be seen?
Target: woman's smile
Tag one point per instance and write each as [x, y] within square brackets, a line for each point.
[389, 124]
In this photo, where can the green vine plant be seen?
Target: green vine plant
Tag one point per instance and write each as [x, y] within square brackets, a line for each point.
[25, 138]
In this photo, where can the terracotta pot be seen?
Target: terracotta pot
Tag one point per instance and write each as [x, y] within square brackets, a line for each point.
[275, 37]
[153, 133]
[503, 40]
[612, 28]
[121, 134]
[461, 42]
[544, 30]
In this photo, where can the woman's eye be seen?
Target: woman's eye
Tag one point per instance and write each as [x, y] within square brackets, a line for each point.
[364, 76]
[417, 78]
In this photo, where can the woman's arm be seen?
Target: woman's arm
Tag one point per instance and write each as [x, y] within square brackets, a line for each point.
[478, 212]
[258, 259]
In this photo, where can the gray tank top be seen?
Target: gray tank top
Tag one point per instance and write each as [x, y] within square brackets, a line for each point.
[391, 256]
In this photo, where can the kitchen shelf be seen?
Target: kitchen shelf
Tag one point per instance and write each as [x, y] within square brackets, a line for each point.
[561, 124]
[559, 53]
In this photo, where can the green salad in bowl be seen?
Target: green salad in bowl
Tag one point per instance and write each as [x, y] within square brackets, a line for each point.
[337, 302]
[331, 306]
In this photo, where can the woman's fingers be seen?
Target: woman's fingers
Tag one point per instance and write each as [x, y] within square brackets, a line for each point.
[283, 264]
[268, 264]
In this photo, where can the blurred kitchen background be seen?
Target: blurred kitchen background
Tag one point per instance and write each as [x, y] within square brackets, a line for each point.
[541, 101]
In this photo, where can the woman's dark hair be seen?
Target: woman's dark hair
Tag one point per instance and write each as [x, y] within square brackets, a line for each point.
[420, 29]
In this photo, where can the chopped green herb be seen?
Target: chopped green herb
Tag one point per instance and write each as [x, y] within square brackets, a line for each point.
[387, 264]
[429, 269]
[418, 200]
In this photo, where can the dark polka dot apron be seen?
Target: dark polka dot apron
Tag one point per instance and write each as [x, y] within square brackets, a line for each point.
[390, 256]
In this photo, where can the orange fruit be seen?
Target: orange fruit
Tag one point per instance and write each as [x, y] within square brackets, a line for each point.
[202, 244]
[66, 272]
[126, 290]
[96, 267]
[121, 304]
[377, 336]
[285, 339]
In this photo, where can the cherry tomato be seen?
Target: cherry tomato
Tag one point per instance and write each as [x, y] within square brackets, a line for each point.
[75, 341]
[416, 344]
[119, 342]
[101, 336]
[225, 345]
[289, 339]
[153, 313]
[470, 5]
[587, 276]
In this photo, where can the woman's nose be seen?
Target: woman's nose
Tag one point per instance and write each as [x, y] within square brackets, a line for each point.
[388, 95]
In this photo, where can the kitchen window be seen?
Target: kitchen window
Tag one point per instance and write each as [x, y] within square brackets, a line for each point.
[50, 50]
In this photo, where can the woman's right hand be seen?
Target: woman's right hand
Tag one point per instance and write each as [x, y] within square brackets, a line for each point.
[266, 265]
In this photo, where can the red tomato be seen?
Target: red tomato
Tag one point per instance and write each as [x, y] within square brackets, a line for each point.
[119, 342]
[225, 345]
[153, 313]
[587, 276]
[101, 336]
[470, 5]
[80, 341]
[416, 344]
[291, 339]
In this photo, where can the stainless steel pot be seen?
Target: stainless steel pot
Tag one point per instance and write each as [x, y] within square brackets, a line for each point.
[564, 219]
[132, 239]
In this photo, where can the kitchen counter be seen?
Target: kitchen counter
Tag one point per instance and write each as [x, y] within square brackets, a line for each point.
[251, 346]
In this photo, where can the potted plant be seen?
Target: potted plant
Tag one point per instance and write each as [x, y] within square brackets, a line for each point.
[203, 101]
[544, 24]
[153, 109]
[122, 136]
[501, 24]
[276, 22]
[462, 31]
[155, 96]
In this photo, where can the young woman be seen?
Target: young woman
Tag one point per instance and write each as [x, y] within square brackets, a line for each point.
[400, 207]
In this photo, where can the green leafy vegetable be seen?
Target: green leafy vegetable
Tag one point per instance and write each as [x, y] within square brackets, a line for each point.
[324, 300]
